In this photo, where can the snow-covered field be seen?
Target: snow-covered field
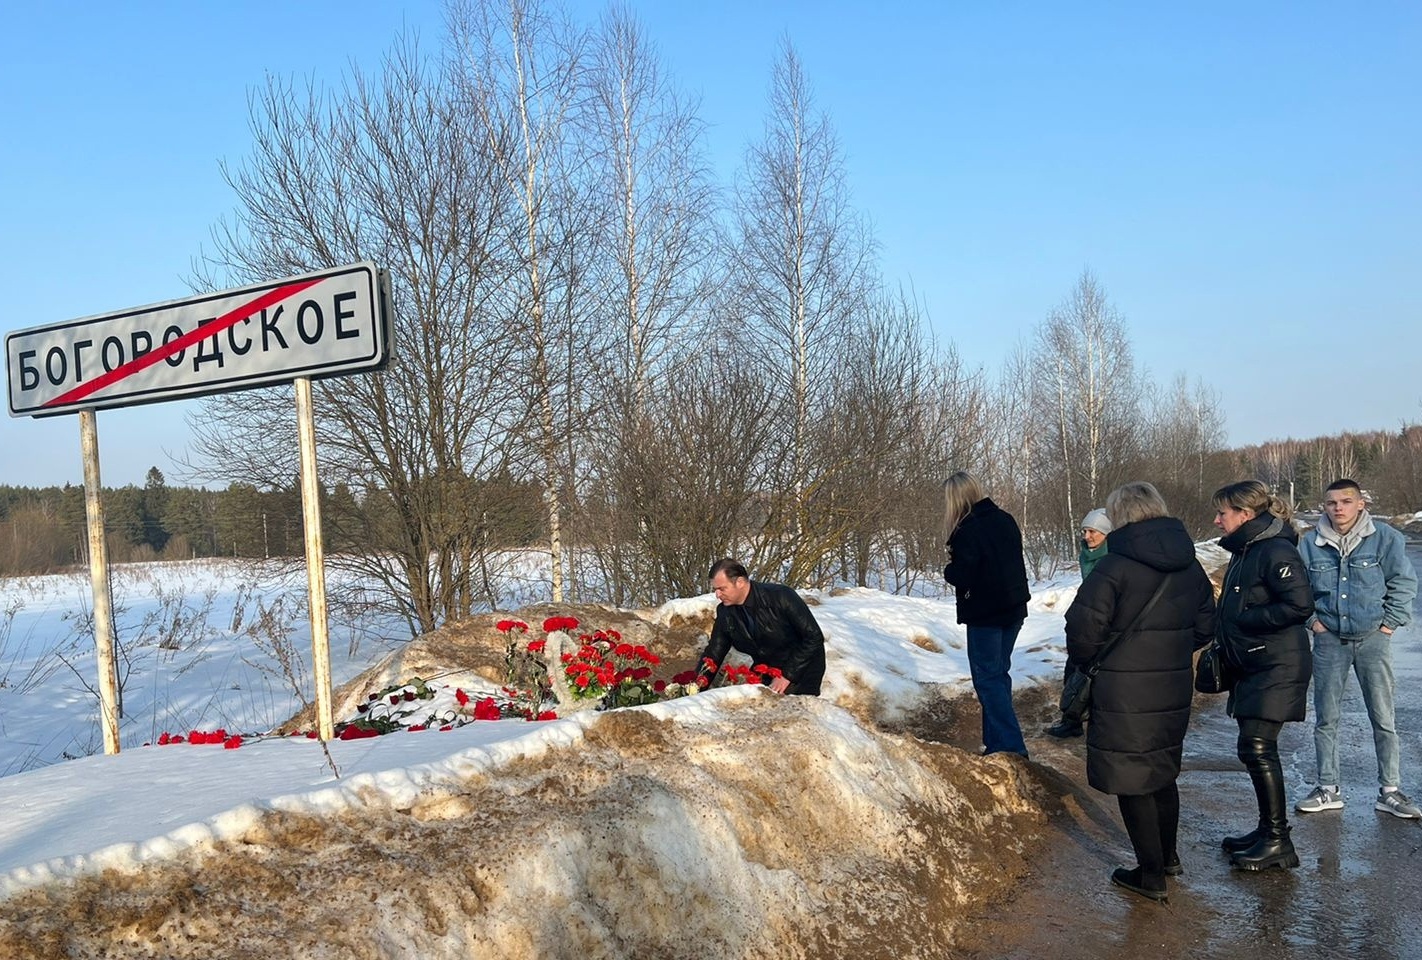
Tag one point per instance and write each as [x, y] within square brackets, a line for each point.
[204, 645]
[207, 645]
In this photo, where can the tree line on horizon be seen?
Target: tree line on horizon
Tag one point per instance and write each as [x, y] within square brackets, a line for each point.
[44, 530]
[603, 352]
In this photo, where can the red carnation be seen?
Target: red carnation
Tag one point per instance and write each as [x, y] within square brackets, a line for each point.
[486, 709]
[537, 646]
[583, 680]
[659, 686]
[461, 696]
[163, 739]
[232, 742]
[548, 715]
[416, 728]
[504, 626]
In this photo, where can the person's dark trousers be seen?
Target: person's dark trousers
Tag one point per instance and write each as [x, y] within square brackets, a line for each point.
[989, 657]
[1258, 749]
[1152, 821]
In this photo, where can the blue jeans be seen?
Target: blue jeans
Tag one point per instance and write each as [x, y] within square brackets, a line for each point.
[1371, 659]
[989, 657]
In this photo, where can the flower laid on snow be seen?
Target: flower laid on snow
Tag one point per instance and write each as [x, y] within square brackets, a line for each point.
[357, 731]
[201, 737]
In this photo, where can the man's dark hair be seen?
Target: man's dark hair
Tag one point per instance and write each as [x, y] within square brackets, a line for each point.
[1344, 483]
[733, 569]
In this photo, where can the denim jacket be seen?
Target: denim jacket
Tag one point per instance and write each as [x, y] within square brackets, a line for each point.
[1373, 586]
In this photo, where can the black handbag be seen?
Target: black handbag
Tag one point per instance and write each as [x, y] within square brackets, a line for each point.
[1212, 673]
[1076, 696]
[1076, 691]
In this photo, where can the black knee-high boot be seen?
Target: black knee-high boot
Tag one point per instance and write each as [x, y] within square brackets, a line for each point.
[1273, 848]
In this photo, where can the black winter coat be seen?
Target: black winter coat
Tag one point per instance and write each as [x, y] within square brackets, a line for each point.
[1140, 702]
[774, 627]
[986, 567]
[1264, 602]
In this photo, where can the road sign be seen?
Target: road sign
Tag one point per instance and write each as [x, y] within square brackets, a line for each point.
[316, 325]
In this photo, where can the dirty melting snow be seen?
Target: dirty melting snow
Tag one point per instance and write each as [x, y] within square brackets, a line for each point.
[731, 823]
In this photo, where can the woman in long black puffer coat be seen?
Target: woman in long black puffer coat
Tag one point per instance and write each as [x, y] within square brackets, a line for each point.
[1140, 702]
[1264, 603]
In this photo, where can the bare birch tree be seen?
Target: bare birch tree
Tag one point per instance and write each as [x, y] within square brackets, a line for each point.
[798, 263]
[1089, 393]
[648, 174]
[1183, 449]
[518, 68]
[381, 170]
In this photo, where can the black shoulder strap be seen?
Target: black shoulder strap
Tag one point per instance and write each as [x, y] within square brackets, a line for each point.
[1094, 666]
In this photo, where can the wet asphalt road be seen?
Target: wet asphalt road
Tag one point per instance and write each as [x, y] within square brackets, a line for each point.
[1355, 893]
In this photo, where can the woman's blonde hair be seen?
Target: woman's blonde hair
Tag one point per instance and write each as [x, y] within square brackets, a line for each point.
[960, 491]
[1132, 502]
[1253, 496]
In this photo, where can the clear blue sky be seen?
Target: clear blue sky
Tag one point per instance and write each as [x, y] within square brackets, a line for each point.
[1245, 180]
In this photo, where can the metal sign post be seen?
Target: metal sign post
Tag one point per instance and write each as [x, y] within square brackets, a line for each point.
[315, 557]
[324, 324]
[99, 578]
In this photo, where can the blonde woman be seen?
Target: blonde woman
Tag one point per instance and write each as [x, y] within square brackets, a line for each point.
[1151, 593]
[989, 577]
[1264, 603]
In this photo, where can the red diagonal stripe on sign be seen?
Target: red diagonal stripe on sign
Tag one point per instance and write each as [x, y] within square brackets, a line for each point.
[202, 332]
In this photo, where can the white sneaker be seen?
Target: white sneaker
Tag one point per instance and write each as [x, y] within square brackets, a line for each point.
[1396, 803]
[1323, 798]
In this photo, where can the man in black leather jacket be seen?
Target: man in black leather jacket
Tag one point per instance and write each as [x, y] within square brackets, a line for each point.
[769, 623]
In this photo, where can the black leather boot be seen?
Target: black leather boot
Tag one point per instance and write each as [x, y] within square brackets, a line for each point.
[1273, 848]
[1243, 841]
[1136, 882]
[1065, 728]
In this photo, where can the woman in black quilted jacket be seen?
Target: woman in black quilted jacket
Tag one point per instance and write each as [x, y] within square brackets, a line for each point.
[1140, 701]
[1264, 603]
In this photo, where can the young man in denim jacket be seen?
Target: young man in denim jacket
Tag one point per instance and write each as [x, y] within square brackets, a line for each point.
[1363, 588]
